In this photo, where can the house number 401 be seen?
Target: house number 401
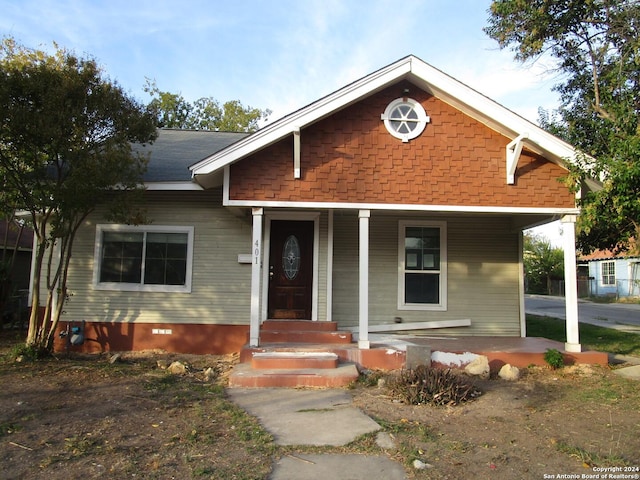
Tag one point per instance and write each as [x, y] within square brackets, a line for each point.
[256, 252]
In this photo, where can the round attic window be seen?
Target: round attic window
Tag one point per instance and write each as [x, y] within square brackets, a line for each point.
[405, 118]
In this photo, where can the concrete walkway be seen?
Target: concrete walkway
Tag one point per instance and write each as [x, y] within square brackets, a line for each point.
[316, 417]
[632, 372]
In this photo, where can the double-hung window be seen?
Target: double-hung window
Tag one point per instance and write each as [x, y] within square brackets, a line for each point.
[146, 258]
[422, 260]
[608, 273]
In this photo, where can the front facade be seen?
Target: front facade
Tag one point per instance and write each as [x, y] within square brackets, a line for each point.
[394, 204]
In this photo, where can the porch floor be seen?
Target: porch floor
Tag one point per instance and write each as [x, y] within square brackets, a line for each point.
[517, 351]
[388, 352]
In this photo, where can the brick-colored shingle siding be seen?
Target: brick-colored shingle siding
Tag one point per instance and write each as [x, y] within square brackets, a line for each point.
[350, 157]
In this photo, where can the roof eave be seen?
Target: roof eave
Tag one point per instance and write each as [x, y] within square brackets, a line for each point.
[305, 116]
[436, 82]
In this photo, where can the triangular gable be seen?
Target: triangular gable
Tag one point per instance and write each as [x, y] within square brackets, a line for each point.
[424, 76]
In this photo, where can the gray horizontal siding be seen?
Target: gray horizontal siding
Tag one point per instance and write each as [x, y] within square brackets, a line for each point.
[483, 278]
[483, 281]
[220, 285]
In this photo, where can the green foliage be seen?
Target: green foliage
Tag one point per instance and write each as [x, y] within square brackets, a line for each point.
[65, 145]
[28, 352]
[172, 110]
[554, 358]
[542, 263]
[425, 385]
[596, 49]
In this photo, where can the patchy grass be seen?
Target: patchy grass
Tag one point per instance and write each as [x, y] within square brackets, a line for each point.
[591, 336]
[590, 459]
[131, 419]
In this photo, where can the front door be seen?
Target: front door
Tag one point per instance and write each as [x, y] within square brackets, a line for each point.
[291, 269]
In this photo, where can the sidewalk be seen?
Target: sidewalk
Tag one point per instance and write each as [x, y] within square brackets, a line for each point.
[318, 418]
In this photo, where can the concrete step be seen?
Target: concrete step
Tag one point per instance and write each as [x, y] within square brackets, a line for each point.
[383, 357]
[243, 376]
[293, 360]
[307, 325]
[304, 336]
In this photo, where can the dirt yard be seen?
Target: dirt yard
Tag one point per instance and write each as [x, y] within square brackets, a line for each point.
[557, 423]
[86, 417]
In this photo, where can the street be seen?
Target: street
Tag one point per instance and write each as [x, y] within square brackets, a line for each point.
[620, 316]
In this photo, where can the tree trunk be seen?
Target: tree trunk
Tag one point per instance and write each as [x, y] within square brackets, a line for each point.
[34, 317]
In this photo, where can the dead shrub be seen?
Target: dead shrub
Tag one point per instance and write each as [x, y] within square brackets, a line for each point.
[425, 385]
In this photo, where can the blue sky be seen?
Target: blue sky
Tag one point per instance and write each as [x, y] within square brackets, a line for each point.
[277, 54]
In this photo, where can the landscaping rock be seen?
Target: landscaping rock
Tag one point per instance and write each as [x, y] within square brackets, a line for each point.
[420, 465]
[177, 368]
[509, 372]
[479, 366]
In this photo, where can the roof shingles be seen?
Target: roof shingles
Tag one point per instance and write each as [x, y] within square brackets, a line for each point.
[175, 150]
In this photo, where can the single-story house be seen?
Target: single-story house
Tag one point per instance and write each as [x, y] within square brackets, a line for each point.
[605, 273]
[396, 203]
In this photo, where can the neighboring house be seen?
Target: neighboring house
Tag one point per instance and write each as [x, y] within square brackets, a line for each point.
[395, 203]
[609, 274]
[16, 245]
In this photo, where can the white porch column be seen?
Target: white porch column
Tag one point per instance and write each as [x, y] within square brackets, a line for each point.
[570, 283]
[363, 323]
[256, 267]
[330, 267]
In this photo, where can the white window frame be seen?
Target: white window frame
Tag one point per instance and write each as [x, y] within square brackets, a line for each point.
[140, 287]
[420, 123]
[402, 226]
[608, 275]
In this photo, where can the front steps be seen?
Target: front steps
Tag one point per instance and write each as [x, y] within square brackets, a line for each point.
[244, 375]
[302, 331]
[295, 353]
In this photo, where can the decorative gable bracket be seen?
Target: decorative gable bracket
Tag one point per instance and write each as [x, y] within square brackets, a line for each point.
[514, 149]
[296, 152]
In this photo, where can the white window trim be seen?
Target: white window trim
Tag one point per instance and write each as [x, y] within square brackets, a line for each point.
[602, 275]
[139, 287]
[442, 306]
[420, 123]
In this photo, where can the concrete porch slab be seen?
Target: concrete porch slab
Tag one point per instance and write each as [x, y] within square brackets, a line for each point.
[517, 351]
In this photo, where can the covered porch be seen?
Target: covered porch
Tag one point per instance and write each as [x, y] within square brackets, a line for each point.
[292, 352]
[323, 290]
